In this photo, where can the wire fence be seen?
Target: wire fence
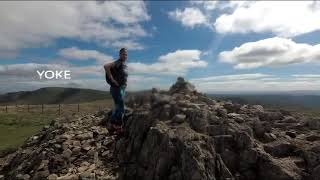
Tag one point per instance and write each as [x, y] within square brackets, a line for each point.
[56, 109]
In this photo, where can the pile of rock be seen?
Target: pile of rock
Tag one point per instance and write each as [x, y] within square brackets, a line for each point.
[178, 134]
[182, 86]
[69, 149]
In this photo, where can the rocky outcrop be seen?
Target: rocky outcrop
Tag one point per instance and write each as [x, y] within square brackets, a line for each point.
[182, 86]
[186, 135]
[178, 134]
[69, 149]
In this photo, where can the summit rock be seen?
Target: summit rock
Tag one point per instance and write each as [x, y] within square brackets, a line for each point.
[182, 86]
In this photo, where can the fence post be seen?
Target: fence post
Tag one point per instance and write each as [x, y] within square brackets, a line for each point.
[42, 109]
[28, 107]
[6, 109]
[59, 110]
[78, 107]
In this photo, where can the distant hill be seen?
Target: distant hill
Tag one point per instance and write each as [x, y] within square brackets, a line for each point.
[309, 101]
[62, 95]
[53, 95]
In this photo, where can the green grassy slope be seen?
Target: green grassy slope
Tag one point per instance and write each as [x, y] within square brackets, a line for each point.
[15, 128]
[17, 124]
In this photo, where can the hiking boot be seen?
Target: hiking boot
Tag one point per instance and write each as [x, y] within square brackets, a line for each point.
[114, 129]
[119, 134]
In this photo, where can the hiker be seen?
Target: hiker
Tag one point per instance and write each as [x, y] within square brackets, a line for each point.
[116, 76]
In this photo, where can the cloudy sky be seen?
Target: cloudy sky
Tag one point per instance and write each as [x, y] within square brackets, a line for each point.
[233, 46]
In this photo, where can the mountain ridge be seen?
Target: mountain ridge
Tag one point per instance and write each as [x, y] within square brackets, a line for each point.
[53, 95]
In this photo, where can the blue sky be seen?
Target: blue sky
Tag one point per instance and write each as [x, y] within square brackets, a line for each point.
[229, 46]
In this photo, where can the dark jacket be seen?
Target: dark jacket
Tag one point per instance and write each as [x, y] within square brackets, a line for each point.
[119, 72]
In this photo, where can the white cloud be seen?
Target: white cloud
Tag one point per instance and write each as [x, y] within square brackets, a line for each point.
[232, 5]
[174, 63]
[198, 14]
[237, 83]
[278, 17]
[307, 75]
[282, 18]
[20, 77]
[142, 76]
[28, 71]
[35, 23]
[208, 5]
[84, 54]
[232, 77]
[189, 17]
[270, 52]
[142, 82]
[129, 44]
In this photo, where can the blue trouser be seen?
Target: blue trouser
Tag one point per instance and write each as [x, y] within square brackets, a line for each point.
[118, 94]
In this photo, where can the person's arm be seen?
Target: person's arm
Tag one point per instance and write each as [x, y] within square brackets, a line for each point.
[107, 68]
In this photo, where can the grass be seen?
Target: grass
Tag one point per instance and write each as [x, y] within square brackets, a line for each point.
[17, 124]
[15, 128]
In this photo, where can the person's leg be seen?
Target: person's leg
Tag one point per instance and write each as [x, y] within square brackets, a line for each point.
[120, 111]
[121, 104]
[114, 94]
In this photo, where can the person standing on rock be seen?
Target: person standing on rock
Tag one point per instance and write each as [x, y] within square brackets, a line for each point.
[116, 76]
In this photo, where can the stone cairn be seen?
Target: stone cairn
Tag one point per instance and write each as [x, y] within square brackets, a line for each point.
[179, 134]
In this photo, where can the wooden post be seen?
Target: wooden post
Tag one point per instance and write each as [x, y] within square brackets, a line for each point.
[78, 108]
[59, 110]
[6, 109]
[42, 109]
[28, 107]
